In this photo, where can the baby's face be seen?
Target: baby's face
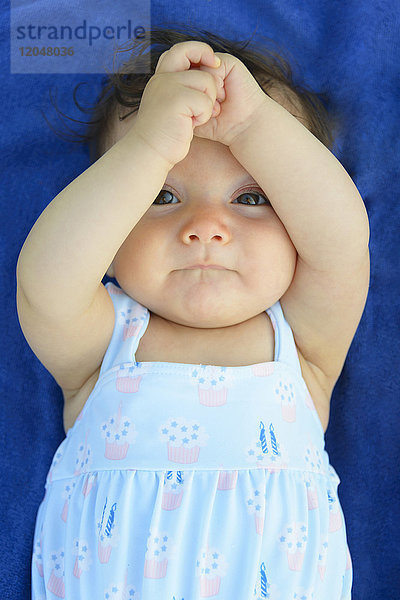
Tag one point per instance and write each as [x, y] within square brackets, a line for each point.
[204, 256]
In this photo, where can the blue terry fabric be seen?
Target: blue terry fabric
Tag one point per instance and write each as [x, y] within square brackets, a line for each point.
[349, 50]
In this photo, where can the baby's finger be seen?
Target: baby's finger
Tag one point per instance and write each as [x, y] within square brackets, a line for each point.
[185, 54]
[219, 83]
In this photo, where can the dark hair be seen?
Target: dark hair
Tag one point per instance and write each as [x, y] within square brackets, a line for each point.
[272, 71]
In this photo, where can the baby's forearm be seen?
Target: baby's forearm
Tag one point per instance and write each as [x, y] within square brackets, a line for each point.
[75, 239]
[309, 189]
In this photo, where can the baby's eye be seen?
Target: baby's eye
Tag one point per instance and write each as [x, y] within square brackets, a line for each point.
[252, 199]
[165, 197]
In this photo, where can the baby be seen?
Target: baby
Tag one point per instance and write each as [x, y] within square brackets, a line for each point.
[240, 247]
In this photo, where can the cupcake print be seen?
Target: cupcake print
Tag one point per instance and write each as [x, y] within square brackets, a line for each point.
[184, 439]
[173, 490]
[322, 556]
[66, 495]
[313, 458]
[286, 396]
[56, 583]
[132, 320]
[83, 457]
[83, 559]
[256, 507]
[121, 590]
[38, 559]
[211, 566]
[293, 541]
[211, 384]
[157, 554]
[55, 462]
[128, 379]
[118, 433]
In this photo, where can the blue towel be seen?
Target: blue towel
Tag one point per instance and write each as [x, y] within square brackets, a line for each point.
[350, 51]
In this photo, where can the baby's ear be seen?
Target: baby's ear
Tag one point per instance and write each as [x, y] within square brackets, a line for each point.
[110, 271]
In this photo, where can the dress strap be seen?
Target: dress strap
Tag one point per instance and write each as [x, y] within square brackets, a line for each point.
[285, 347]
[131, 320]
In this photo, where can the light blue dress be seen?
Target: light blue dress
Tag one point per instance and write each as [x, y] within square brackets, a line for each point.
[181, 481]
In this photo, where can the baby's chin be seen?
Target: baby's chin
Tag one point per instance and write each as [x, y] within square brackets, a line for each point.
[209, 319]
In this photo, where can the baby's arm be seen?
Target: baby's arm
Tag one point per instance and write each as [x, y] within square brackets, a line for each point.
[75, 239]
[73, 242]
[325, 217]
[65, 313]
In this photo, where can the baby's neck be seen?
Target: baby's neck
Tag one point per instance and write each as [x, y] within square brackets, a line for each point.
[246, 343]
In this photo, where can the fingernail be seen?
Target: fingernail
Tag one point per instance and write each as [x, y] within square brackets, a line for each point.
[217, 61]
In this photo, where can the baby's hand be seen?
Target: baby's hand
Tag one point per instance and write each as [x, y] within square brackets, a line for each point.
[241, 95]
[177, 99]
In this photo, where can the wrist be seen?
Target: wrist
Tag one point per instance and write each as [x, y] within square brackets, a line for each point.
[140, 141]
[253, 125]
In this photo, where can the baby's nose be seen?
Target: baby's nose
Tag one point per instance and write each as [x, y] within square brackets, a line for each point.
[206, 226]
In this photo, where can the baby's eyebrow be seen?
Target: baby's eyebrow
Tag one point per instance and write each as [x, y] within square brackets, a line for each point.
[247, 179]
[235, 184]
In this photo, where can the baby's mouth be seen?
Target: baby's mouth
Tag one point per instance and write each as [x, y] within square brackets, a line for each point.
[200, 266]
